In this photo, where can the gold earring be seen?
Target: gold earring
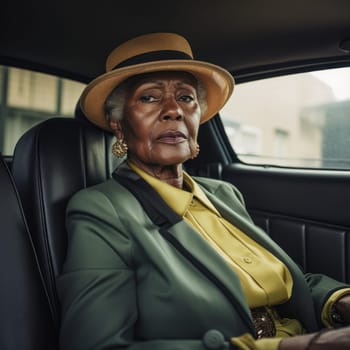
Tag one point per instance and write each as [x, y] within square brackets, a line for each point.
[119, 148]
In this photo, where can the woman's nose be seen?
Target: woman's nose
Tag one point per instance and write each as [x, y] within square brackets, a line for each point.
[171, 110]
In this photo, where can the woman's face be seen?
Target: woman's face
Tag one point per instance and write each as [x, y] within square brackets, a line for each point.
[161, 118]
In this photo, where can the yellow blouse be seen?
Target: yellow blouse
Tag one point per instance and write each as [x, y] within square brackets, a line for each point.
[266, 281]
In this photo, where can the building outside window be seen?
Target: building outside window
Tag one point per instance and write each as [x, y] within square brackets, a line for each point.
[27, 98]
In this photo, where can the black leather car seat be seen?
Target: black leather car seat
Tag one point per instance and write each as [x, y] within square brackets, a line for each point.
[51, 162]
[26, 319]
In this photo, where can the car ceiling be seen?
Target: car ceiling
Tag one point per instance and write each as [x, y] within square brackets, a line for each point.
[72, 38]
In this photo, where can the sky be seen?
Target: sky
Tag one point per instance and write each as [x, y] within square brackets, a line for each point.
[338, 79]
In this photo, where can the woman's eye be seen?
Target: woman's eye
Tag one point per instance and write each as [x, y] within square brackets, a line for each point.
[186, 98]
[148, 98]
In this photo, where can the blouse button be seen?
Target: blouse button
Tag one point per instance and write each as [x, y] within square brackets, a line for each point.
[247, 260]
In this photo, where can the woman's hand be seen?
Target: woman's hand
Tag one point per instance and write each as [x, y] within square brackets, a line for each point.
[342, 307]
[336, 339]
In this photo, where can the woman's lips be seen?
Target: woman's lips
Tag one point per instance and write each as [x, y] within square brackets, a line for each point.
[171, 137]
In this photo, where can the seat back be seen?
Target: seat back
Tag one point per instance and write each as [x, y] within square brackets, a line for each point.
[25, 317]
[51, 162]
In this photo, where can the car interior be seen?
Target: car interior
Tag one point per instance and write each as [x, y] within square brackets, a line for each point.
[304, 209]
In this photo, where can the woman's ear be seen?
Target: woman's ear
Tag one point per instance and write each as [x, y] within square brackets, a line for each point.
[115, 125]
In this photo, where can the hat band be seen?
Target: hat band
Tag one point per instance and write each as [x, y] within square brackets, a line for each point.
[154, 56]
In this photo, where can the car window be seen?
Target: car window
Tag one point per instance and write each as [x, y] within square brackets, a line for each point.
[28, 97]
[299, 120]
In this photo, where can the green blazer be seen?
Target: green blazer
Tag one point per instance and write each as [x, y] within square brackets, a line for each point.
[124, 286]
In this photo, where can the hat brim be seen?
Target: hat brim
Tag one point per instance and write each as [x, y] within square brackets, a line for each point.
[217, 82]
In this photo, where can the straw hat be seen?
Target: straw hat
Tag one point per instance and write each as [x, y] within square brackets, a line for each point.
[153, 53]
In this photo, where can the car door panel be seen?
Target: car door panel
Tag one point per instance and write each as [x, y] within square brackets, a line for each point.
[305, 211]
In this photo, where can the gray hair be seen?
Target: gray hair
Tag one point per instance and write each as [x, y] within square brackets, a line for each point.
[115, 102]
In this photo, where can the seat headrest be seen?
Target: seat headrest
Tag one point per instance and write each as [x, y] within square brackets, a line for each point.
[79, 115]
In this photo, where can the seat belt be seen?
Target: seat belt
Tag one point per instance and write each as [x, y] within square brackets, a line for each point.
[154, 205]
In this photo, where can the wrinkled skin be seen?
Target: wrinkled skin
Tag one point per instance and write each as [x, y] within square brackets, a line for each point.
[336, 339]
[160, 124]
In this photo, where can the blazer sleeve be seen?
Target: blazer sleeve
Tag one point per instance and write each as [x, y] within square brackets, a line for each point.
[97, 287]
[321, 288]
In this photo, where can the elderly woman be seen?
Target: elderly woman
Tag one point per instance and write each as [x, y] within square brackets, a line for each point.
[158, 260]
